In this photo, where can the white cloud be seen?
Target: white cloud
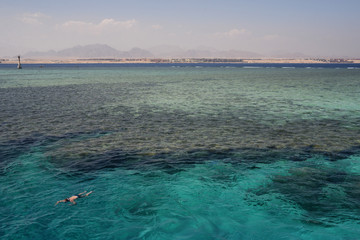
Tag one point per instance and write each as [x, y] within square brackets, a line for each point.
[33, 18]
[114, 23]
[89, 27]
[235, 32]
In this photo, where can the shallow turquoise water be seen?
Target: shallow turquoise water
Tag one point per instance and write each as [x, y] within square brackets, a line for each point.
[180, 152]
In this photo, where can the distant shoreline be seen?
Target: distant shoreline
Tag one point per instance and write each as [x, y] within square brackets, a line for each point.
[177, 60]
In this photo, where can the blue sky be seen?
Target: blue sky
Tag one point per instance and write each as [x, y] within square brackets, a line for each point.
[313, 27]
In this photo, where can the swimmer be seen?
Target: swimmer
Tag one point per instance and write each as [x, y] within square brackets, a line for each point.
[72, 198]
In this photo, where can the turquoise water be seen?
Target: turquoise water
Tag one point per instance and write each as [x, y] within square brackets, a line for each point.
[205, 151]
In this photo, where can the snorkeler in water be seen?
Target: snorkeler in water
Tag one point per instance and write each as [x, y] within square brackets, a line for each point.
[72, 198]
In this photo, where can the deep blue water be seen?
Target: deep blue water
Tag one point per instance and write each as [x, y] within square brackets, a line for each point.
[180, 151]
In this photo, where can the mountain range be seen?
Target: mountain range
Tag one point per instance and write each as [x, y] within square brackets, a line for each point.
[164, 51]
[91, 51]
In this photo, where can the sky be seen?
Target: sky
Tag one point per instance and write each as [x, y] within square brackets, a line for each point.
[319, 28]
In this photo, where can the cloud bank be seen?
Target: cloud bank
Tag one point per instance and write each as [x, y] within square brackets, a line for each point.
[96, 28]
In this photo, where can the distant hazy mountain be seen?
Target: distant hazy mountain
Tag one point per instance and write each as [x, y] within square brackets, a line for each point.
[139, 53]
[238, 54]
[91, 51]
[164, 51]
[200, 52]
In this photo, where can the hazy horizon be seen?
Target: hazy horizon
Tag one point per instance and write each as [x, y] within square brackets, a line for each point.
[321, 28]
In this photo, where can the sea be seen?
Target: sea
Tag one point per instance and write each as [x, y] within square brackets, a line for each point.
[180, 151]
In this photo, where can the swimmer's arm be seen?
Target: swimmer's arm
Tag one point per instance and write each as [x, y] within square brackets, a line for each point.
[73, 202]
[88, 193]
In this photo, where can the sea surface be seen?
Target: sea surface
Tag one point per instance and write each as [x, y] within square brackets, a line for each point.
[180, 151]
